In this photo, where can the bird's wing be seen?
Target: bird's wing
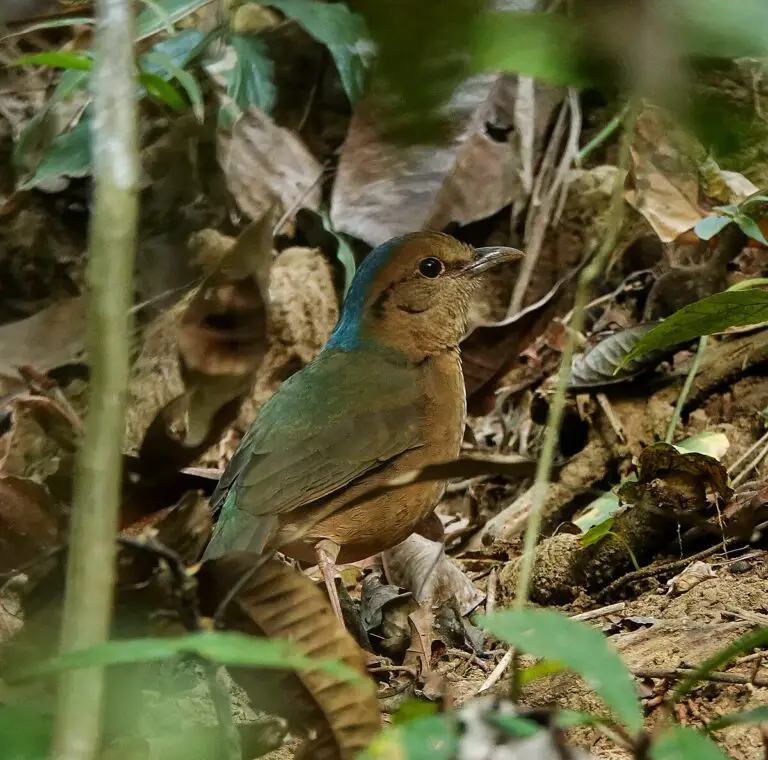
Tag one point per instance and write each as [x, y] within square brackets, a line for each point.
[343, 415]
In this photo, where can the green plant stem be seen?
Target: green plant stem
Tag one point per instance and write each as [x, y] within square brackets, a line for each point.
[96, 503]
[557, 404]
[626, 545]
[685, 392]
[603, 134]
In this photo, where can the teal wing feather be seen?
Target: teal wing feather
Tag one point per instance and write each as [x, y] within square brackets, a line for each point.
[342, 416]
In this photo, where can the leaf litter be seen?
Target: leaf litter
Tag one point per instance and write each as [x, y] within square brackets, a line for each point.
[222, 338]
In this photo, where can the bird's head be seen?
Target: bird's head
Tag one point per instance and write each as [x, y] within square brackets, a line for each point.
[413, 294]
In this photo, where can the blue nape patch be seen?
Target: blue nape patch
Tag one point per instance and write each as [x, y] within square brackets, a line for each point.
[346, 334]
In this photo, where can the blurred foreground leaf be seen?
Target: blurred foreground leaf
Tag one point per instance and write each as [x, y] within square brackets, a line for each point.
[224, 648]
[339, 29]
[579, 647]
[681, 743]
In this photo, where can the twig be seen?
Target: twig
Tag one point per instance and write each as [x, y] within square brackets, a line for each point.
[490, 594]
[557, 405]
[395, 669]
[546, 198]
[497, 672]
[603, 134]
[94, 522]
[685, 392]
[610, 415]
[717, 677]
[742, 476]
[607, 610]
[669, 567]
[754, 447]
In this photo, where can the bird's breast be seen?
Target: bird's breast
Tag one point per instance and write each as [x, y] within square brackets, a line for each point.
[376, 525]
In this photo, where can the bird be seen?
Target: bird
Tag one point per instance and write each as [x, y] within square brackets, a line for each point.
[384, 397]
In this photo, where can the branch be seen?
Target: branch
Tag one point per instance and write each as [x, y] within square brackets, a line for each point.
[551, 433]
[94, 519]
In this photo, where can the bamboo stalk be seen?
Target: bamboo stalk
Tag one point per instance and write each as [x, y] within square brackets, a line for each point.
[112, 240]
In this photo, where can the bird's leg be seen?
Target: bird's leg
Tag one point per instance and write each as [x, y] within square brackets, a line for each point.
[327, 551]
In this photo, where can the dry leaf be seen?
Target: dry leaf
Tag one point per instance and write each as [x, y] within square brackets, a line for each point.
[422, 567]
[490, 350]
[691, 474]
[222, 340]
[30, 522]
[48, 339]
[669, 166]
[265, 164]
[277, 602]
[383, 190]
[695, 573]
[421, 622]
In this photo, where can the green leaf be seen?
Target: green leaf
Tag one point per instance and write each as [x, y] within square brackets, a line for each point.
[711, 29]
[68, 155]
[412, 709]
[52, 23]
[566, 719]
[754, 199]
[343, 253]
[581, 648]
[150, 21]
[339, 29]
[680, 743]
[35, 136]
[751, 228]
[185, 79]
[515, 725]
[755, 715]
[709, 226]
[599, 531]
[56, 59]
[161, 90]
[597, 512]
[181, 49]
[251, 81]
[430, 738]
[710, 315]
[541, 45]
[746, 643]
[541, 669]
[26, 729]
[162, 16]
[708, 442]
[225, 648]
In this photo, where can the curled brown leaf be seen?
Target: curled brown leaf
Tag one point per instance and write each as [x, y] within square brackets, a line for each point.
[278, 602]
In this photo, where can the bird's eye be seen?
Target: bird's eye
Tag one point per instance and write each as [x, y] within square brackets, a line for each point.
[431, 267]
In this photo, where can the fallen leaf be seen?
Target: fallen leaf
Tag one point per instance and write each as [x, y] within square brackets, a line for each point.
[384, 189]
[491, 349]
[384, 611]
[31, 523]
[691, 474]
[596, 367]
[222, 340]
[695, 573]
[669, 167]
[422, 567]
[278, 602]
[710, 443]
[265, 164]
[51, 338]
[421, 623]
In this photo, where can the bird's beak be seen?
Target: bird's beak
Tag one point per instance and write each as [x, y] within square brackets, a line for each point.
[491, 257]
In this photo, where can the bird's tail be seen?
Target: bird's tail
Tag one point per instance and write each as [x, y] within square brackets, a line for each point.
[237, 530]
